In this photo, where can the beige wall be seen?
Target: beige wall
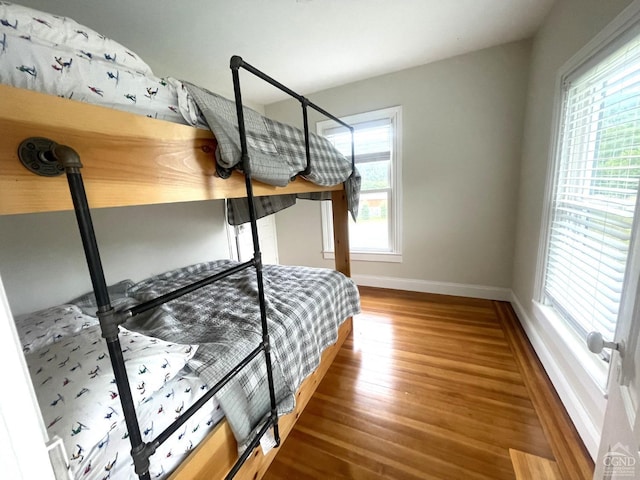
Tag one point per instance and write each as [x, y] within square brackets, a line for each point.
[569, 26]
[462, 120]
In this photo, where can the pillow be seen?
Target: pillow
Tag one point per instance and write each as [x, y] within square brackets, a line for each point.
[44, 327]
[154, 415]
[51, 29]
[58, 71]
[76, 388]
[117, 296]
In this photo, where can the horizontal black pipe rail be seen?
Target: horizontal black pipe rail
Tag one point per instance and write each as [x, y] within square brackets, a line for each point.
[171, 429]
[173, 295]
[237, 62]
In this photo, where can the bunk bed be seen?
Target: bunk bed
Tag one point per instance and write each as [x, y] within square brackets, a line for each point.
[114, 158]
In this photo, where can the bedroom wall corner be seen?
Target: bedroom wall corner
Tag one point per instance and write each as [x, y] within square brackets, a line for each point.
[462, 127]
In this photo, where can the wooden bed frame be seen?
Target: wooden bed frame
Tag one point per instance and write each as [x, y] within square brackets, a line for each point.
[133, 160]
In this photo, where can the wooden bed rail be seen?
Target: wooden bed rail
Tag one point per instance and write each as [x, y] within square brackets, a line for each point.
[128, 159]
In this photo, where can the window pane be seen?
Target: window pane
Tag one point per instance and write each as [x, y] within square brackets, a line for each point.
[375, 135]
[371, 232]
[368, 140]
[375, 175]
[595, 193]
[373, 139]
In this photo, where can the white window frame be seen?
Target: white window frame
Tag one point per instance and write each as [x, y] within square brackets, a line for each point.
[590, 370]
[394, 212]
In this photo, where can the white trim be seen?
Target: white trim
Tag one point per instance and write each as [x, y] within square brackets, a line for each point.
[588, 421]
[23, 453]
[232, 235]
[593, 371]
[396, 198]
[602, 41]
[395, 208]
[430, 286]
[59, 459]
[552, 163]
[614, 34]
[368, 257]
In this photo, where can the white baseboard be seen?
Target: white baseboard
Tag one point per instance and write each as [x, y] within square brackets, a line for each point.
[427, 286]
[582, 419]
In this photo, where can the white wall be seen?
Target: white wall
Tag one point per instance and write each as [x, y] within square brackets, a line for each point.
[23, 455]
[569, 26]
[462, 130]
[42, 261]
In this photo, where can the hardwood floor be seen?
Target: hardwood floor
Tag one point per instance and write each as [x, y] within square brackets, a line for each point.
[529, 467]
[427, 386]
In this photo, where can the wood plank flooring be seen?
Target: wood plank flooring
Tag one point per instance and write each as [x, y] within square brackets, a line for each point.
[426, 387]
[529, 467]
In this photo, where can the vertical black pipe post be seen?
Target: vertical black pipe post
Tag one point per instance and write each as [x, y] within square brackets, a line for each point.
[307, 150]
[353, 150]
[71, 162]
[236, 63]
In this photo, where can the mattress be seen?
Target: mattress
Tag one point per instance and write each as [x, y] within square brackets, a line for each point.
[58, 56]
[173, 354]
[305, 307]
[71, 372]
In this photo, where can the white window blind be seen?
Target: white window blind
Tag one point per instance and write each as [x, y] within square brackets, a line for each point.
[596, 185]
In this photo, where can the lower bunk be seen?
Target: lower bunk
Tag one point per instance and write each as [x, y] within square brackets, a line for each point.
[175, 352]
[215, 456]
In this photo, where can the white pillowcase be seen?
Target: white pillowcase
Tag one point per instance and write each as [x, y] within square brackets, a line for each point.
[76, 388]
[44, 327]
[51, 29]
[154, 415]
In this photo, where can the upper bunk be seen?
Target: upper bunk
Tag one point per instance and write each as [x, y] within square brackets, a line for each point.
[65, 82]
[128, 159]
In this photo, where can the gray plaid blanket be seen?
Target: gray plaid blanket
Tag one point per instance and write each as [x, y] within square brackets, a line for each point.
[305, 307]
[277, 155]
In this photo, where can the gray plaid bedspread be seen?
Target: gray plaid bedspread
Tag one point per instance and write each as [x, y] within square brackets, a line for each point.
[277, 155]
[305, 307]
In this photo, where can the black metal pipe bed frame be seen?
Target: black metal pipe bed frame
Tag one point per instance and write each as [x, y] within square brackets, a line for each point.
[63, 159]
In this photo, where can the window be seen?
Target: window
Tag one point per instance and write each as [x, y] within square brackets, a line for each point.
[595, 188]
[376, 234]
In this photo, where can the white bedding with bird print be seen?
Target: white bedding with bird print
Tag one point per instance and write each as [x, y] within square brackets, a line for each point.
[74, 384]
[56, 55]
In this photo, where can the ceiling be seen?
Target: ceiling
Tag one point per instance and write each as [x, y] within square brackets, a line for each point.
[309, 45]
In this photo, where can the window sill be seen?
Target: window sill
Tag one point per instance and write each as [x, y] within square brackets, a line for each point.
[590, 367]
[388, 257]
